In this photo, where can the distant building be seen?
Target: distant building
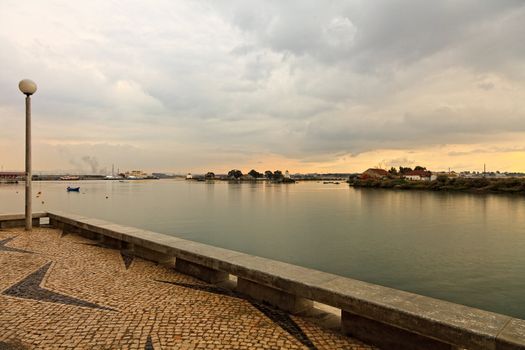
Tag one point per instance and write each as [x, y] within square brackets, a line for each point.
[374, 174]
[135, 174]
[12, 175]
[446, 173]
[419, 175]
[189, 176]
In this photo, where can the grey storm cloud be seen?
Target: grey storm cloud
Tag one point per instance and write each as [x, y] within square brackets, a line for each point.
[295, 78]
[367, 34]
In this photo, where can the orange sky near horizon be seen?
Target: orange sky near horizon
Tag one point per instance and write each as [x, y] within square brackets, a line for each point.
[504, 157]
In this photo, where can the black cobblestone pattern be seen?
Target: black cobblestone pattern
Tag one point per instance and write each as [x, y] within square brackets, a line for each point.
[12, 345]
[29, 288]
[285, 322]
[277, 316]
[4, 248]
[149, 344]
[127, 258]
[95, 244]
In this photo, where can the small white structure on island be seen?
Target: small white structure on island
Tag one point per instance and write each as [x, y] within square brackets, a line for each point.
[286, 174]
[420, 175]
[189, 176]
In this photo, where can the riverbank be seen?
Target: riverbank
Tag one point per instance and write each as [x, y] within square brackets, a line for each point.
[478, 185]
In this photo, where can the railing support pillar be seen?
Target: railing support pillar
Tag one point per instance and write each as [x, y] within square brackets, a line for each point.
[283, 300]
[201, 272]
[386, 336]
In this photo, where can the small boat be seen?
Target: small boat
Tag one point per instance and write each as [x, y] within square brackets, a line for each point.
[73, 189]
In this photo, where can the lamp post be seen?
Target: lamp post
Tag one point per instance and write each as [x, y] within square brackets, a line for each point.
[28, 87]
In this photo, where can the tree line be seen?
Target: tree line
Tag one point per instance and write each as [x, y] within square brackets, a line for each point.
[236, 174]
[405, 170]
[268, 174]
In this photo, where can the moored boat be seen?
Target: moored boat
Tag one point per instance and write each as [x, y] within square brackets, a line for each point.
[73, 189]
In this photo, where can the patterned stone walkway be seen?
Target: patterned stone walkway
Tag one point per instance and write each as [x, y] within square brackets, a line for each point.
[66, 292]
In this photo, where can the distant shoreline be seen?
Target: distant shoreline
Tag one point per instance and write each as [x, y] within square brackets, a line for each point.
[465, 185]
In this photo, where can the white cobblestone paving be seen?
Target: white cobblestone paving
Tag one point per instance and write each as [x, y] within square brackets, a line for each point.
[60, 292]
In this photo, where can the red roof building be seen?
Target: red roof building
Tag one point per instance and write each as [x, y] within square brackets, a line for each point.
[374, 173]
[418, 175]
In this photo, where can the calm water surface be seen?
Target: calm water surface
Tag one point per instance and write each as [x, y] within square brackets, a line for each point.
[464, 248]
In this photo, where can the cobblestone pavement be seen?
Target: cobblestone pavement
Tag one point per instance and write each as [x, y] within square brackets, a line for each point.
[66, 292]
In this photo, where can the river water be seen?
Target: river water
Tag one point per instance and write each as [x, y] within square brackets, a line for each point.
[464, 248]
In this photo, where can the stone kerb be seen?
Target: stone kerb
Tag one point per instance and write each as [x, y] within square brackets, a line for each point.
[10, 217]
[400, 318]
[18, 220]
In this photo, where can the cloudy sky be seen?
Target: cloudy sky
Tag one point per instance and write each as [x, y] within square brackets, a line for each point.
[301, 85]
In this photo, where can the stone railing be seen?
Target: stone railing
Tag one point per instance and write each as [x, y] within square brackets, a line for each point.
[16, 220]
[388, 318]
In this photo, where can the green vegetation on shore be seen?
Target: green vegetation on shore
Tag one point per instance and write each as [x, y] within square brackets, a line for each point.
[252, 176]
[443, 183]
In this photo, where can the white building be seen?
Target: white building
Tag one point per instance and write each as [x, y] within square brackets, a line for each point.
[420, 175]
